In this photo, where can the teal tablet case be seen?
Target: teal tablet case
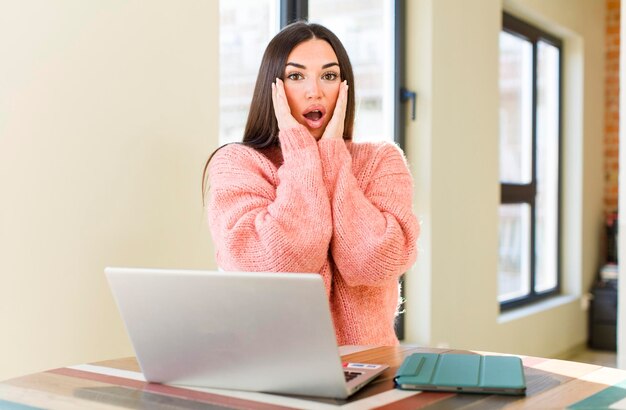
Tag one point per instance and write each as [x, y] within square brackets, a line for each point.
[464, 373]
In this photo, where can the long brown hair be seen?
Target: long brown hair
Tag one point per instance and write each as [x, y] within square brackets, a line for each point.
[262, 127]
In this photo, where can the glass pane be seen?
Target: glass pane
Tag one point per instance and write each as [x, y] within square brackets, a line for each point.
[547, 166]
[246, 27]
[514, 252]
[516, 61]
[365, 27]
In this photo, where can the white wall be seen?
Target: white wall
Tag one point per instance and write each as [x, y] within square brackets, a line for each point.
[452, 55]
[108, 110]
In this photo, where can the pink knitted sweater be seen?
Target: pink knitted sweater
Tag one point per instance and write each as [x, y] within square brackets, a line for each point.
[339, 208]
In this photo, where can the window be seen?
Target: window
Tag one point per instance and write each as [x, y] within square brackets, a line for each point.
[530, 129]
[246, 27]
[366, 30]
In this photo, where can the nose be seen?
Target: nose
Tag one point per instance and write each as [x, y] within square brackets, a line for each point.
[313, 89]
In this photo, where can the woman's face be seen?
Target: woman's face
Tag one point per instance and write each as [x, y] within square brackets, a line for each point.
[312, 79]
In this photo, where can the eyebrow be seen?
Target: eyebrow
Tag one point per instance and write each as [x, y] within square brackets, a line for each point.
[303, 67]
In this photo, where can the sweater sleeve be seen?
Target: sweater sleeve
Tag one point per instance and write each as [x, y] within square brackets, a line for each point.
[267, 220]
[374, 229]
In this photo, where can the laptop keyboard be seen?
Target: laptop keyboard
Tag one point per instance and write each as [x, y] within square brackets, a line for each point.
[350, 375]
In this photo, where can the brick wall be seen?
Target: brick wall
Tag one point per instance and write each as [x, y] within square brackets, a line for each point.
[611, 126]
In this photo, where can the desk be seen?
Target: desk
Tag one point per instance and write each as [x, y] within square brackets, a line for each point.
[116, 384]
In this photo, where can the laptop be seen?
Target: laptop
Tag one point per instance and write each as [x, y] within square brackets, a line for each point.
[265, 332]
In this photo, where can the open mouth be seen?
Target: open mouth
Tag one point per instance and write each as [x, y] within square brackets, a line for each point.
[314, 116]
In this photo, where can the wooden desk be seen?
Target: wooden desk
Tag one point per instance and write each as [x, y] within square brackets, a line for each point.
[116, 384]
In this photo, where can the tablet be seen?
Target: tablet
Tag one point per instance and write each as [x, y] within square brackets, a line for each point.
[462, 373]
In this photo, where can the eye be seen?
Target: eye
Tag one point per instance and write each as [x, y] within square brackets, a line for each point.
[330, 76]
[295, 76]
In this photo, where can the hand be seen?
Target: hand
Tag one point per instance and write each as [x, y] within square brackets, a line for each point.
[334, 129]
[281, 107]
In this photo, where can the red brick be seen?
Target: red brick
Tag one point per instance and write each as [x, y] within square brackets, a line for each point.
[611, 203]
[611, 103]
[612, 29]
[610, 47]
[612, 54]
[612, 5]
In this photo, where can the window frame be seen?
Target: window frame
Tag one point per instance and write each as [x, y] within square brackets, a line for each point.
[511, 193]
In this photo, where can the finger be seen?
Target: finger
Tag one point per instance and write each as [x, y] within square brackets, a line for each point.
[281, 106]
[342, 102]
[274, 99]
[280, 86]
[281, 97]
[341, 108]
[278, 108]
[334, 129]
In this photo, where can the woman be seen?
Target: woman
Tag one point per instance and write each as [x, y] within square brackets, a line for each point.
[299, 196]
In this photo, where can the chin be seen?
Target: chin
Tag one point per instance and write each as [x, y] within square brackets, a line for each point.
[317, 133]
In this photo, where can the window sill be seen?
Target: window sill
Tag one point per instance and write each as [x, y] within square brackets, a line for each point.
[542, 306]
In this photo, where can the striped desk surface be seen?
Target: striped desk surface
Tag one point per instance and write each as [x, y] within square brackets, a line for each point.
[118, 384]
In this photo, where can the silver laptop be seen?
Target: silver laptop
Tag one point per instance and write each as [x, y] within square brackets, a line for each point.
[267, 332]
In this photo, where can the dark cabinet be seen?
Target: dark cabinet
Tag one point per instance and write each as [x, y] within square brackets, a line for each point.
[603, 316]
